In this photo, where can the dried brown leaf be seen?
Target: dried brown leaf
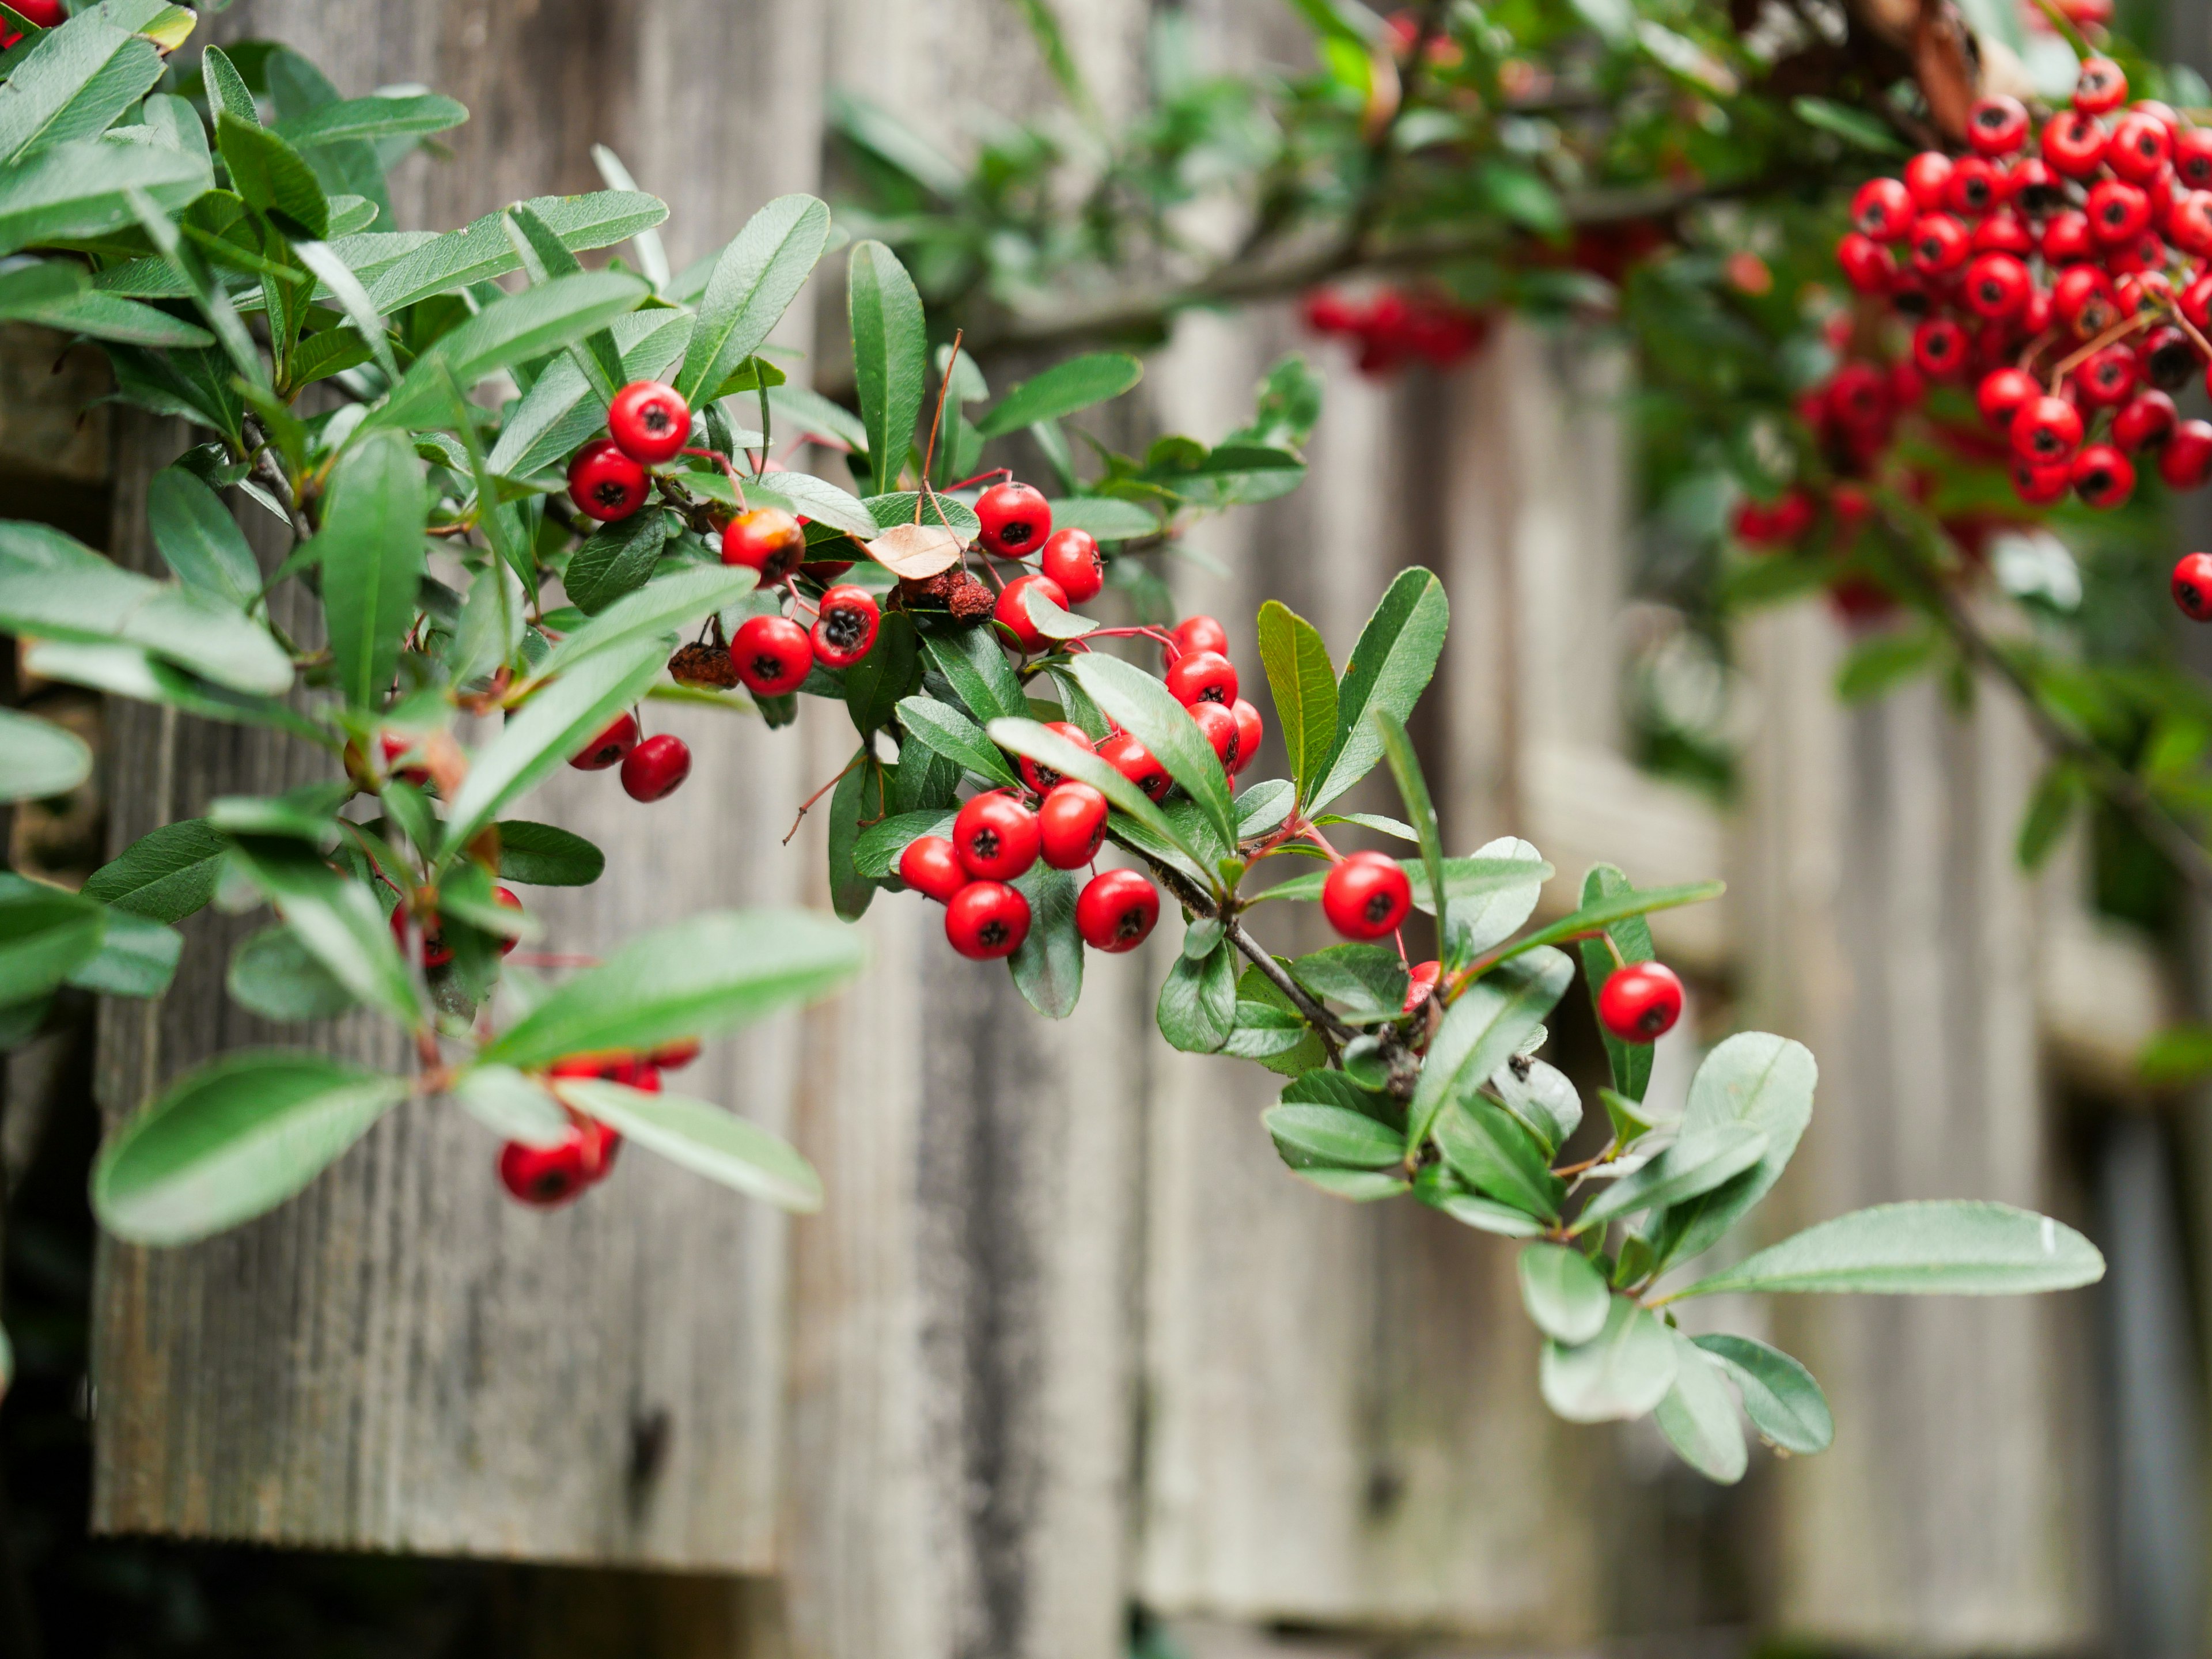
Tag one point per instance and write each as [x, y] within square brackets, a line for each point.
[916, 550]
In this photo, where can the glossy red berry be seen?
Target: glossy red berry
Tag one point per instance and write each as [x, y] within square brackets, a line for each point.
[656, 768]
[2118, 211]
[1041, 777]
[2074, 143]
[767, 539]
[995, 837]
[2185, 463]
[649, 422]
[1883, 209]
[1940, 243]
[1420, 980]
[1137, 764]
[2033, 188]
[2047, 430]
[436, 953]
[2108, 377]
[1249, 733]
[2102, 476]
[772, 655]
[1070, 825]
[1072, 558]
[2145, 420]
[2189, 223]
[2140, 146]
[1219, 726]
[1858, 395]
[930, 865]
[1200, 634]
[2004, 233]
[549, 1177]
[2166, 358]
[1925, 176]
[2002, 392]
[2192, 157]
[505, 896]
[1996, 285]
[2081, 299]
[2102, 85]
[1975, 187]
[1641, 1002]
[1939, 348]
[1997, 126]
[2195, 302]
[607, 749]
[604, 482]
[1202, 676]
[1012, 611]
[985, 919]
[1016, 519]
[396, 746]
[1366, 896]
[2065, 239]
[1867, 265]
[844, 626]
[2040, 486]
[2192, 585]
[1116, 910]
[1775, 524]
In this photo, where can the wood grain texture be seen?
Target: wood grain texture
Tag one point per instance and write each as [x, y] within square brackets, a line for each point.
[402, 1359]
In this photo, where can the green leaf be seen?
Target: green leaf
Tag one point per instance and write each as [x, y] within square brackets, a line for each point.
[1699, 1419]
[1061, 390]
[381, 115]
[337, 919]
[1490, 1151]
[1631, 1062]
[1357, 1186]
[1311, 1135]
[803, 494]
[1303, 682]
[615, 559]
[1052, 621]
[39, 758]
[166, 875]
[1413, 790]
[481, 251]
[849, 893]
[81, 190]
[1390, 668]
[978, 672]
[1779, 1395]
[1483, 1029]
[949, 732]
[1027, 737]
[275, 975]
[810, 412]
[1540, 1099]
[705, 1139]
[1879, 665]
[1936, 1247]
[657, 611]
[1368, 980]
[755, 280]
[533, 323]
[1148, 710]
[2179, 1054]
[2058, 792]
[370, 550]
[1106, 517]
[1565, 1295]
[54, 295]
[1624, 1372]
[273, 177]
[1519, 193]
[513, 1105]
[875, 685]
[546, 855]
[1754, 1079]
[1198, 1001]
[231, 1141]
[1853, 126]
[138, 957]
[45, 935]
[1047, 969]
[77, 81]
[1698, 1161]
[700, 977]
[57, 589]
[1483, 1214]
[226, 89]
[876, 853]
[557, 721]
[126, 671]
[367, 323]
[889, 355]
[1637, 902]
[199, 539]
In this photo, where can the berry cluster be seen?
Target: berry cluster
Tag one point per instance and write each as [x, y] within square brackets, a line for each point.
[1393, 326]
[651, 767]
[2063, 269]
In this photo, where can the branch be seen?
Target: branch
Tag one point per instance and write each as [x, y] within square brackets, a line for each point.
[271, 475]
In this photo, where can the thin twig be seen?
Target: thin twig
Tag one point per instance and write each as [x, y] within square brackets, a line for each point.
[1319, 1017]
[267, 469]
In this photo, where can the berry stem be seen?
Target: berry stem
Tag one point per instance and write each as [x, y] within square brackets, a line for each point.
[1005, 472]
[2119, 331]
[728, 472]
[937, 419]
[808, 803]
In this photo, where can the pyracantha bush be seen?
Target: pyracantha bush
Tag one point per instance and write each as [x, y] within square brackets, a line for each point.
[622, 532]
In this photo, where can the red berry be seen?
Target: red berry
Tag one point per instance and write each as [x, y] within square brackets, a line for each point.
[675, 1056]
[2189, 223]
[656, 768]
[1858, 395]
[1882, 208]
[2002, 392]
[2066, 240]
[1116, 910]
[1202, 676]
[604, 482]
[2033, 188]
[772, 655]
[2166, 358]
[1200, 634]
[2192, 157]
[1041, 777]
[1420, 981]
[2192, 585]
[995, 837]
[2040, 486]
[2196, 302]
[985, 919]
[548, 1177]
[1939, 347]
[1220, 728]
[506, 895]
[2101, 85]
[2081, 299]
[930, 865]
[1975, 187]
[1940, 243]
[1071, 558]
[609, 747]
[395, 746]
[1867, 265]
[1777, 524]
[1070, 825]
[2140, 145]
[844, 626]
[1925, 176]
[1012, 611]
[649, 422]
[2185, 463]
[2102, 476]
[2074, 143]
[767, 539]
[1641, 1002]
[1997, 285]
[1136, 763]
[1997, 126]
[1015, 519]
[2047, 430]
[2146, 419]
[436, 953]
[2004, 233]
[1366, 896]
[1249, 733]
[2107, 377]
[2118, 211]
